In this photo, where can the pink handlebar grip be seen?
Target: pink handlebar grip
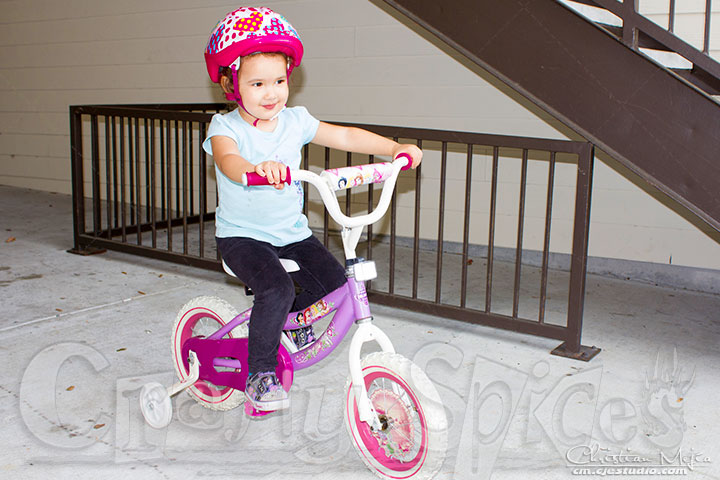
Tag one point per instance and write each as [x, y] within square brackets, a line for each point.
[409, 159]
[253, 179]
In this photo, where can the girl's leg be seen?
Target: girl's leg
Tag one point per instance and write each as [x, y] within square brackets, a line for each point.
[320, 272]
[258, 266]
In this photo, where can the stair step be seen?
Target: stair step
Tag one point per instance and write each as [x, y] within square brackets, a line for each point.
[594, 14]
[599, 15]
[668, 59]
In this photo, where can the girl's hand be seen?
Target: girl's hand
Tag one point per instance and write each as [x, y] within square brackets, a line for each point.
[412, 150]
[275, 172]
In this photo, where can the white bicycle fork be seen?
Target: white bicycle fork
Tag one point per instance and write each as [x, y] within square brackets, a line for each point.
[366, 332]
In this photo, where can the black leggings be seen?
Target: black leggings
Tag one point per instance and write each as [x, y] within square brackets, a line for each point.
[257, 265]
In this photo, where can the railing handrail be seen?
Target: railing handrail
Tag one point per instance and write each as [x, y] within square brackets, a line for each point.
[634, 20]
[171, 112]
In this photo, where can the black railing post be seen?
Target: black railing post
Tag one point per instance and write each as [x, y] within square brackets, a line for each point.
[578, 264]
[671, 17]
[76, 160]
[708, 16]
[95, 173]
[78, 185]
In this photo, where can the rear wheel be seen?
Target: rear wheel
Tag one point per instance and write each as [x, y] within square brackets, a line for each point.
[202, 316]
[412, 440]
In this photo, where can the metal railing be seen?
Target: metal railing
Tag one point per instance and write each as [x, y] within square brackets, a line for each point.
[639, 31]
[143, 188]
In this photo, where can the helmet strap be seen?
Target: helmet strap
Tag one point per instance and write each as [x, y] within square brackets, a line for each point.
[235, 94]
[236, 85]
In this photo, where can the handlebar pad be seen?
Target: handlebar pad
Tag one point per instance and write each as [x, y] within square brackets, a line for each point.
[348, 177]
[252, 179]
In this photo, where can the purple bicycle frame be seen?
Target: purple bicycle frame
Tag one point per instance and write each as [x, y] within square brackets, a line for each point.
[350, 302]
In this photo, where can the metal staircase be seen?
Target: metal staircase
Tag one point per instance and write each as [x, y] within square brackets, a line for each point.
[642, 35]
[600, 80]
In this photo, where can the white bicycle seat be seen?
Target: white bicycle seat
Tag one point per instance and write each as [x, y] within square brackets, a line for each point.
[288, 265]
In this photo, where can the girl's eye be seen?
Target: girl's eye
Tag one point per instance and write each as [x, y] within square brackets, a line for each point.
[257, 84]
[280, 81]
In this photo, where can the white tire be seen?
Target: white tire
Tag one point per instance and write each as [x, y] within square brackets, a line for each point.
[413, 441]
[202, 316]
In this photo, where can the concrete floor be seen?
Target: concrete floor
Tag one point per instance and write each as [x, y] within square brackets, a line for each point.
[81, 335]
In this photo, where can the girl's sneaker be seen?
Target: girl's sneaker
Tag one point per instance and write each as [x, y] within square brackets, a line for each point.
[264, 391]
[302, 336]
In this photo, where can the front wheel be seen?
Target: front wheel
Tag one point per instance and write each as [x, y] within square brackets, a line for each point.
[412, 440]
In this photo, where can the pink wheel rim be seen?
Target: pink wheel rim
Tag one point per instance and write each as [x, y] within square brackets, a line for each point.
[364, 435]
[203, 387]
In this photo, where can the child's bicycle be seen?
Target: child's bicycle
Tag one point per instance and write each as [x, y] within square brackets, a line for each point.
[393, 413]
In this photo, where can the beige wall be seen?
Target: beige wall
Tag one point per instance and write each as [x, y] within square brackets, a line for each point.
[361, 65]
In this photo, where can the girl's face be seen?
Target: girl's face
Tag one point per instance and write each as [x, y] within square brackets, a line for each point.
[263, 85]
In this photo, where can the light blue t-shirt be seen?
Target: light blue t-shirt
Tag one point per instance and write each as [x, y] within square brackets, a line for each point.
[263, 213]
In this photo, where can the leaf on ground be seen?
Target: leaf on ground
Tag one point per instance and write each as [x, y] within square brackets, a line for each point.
[70, 388]
[141, 292]
[10, 239]
[121, 349]
[99, 425]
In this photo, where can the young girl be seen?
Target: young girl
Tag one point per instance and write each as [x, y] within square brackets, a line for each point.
[251, 54]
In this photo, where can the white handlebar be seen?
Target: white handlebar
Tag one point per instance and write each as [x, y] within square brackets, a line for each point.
[329, 198]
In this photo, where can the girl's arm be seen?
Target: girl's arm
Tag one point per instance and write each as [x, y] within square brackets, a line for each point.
[361, 141]
[233, 166]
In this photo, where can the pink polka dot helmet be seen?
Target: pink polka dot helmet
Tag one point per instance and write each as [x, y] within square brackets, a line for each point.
[250, 30]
